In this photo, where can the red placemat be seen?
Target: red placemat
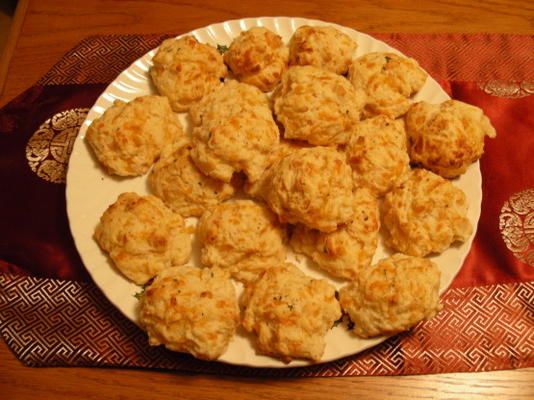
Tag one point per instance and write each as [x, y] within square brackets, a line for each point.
[52, 314]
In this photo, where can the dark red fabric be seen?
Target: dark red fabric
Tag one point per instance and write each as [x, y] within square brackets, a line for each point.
[507, 168]
[35, 235]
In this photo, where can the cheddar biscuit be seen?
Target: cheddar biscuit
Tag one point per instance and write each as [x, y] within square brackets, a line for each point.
[317, 106]
[142, 236]
[446, 138]
[311, 186]
[182, 186]
[129, 137]
[258, 57]
[190, 310]
[377, 154]
[323, 47]
[425, 215]
[243, 237]
[392, 296]
[185, 70]
[290, 313]
[234, 131]
[388, 80]
[346, 251]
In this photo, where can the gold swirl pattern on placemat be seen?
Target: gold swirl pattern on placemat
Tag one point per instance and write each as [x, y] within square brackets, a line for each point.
[48, 322]
[510, 90]
[516, 224]
[49, 148]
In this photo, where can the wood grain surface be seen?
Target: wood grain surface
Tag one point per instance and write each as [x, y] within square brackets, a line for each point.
[17, 382]
[45, 30]
[50, 28]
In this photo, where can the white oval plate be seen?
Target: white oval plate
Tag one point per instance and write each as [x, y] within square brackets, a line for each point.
[90, 191]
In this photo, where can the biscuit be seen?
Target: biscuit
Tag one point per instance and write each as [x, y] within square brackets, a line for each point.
[142, 236]
[234, 131]
[377, 154]
[311, 186]
[446, 138]
[388, 80]
[317, 106]
[242, 237]
[323, 47]
[190, 310]
[185, 70]
[128, 137]
[392, 296]
[258, 57]
[290, 313]
[346, 251]
[179, 183]
[425, 215]
[285, 148]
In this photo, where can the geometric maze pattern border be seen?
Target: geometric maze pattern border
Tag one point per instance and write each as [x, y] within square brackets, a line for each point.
[49, 322]
[471, 57]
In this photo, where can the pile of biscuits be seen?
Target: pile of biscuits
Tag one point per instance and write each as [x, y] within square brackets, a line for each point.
[294, 147]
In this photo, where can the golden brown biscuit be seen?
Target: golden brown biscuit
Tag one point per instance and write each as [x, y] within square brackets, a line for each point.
[317, 106]
[289, 313]
[388, 80]
[129, 137]
[258, 57]
[185, 70]
[377, 154]
[285, 148]
[243, 237]
[311, 186]
[234, 131]
[346, 251]
[179, 183]
[392, 296]
[425, 215]
[446, 138]
[190, 310]
[142, 236]
[323, 47]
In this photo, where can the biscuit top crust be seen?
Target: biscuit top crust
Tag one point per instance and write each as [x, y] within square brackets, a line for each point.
[446, 138]
[392, 296]
[190, 310]
[317, 106]
[129, 137]
[142, 236]
[346, 251]
[425, 215]
[290, 313]
[388, 80]
[258, 57]
[311, 186]
[182, 186]
[185, 70]
[323, 47]
[243, 237]
[234, 131]
[377, 153]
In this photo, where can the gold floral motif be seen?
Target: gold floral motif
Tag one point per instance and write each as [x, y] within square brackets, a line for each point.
[511, 90]
[49, 148]
[516, 224]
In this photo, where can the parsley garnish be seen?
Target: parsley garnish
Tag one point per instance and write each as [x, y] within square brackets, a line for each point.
[221, 48]
[140, 294]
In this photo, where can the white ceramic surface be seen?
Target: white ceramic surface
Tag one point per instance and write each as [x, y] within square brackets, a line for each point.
[90, 191]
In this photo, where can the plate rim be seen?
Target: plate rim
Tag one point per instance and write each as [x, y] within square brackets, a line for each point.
[294, 21]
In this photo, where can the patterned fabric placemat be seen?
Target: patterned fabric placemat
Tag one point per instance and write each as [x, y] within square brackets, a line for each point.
[49, 322]
[52, 315]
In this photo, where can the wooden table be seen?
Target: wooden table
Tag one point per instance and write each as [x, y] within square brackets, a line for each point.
[44, 30]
